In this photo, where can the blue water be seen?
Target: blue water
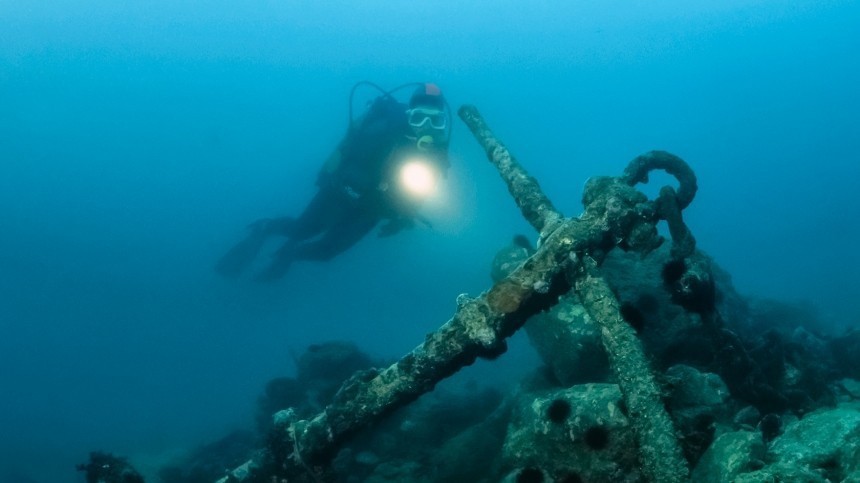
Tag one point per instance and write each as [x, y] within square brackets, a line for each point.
[137, 139]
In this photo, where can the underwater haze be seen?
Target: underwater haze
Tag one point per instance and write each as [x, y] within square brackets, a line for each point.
[138, 139]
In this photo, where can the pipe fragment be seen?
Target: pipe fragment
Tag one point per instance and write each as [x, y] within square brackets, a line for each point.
[660, 456]
[534, 204]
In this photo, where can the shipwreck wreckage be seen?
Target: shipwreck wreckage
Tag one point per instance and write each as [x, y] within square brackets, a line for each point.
[605, 282]
[568, 258]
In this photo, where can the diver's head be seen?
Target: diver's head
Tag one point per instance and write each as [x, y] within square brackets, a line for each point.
[427, 115]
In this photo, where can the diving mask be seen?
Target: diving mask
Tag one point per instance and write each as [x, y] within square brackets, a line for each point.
[420, 116]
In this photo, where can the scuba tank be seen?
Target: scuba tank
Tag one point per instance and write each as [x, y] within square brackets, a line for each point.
[383, 107]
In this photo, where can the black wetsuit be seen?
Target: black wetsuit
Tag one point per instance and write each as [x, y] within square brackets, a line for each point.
[351, 200]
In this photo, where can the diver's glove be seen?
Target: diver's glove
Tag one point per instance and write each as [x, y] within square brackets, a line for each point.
[395, 226]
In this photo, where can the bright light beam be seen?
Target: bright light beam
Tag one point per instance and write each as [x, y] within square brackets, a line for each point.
[418, 178]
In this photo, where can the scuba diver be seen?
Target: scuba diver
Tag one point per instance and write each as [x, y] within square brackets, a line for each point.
[389, 161]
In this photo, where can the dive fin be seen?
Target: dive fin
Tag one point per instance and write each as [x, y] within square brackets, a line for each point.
[281, 261]
[237, 259]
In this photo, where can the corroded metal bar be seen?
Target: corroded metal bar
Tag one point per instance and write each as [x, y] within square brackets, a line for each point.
[535, 206]
[478, 328]
[660, 455]
[624, 214]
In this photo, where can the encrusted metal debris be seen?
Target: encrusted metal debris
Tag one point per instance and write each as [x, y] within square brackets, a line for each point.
[569, 256]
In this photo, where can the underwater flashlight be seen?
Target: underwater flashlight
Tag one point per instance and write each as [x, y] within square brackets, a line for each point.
[417, 177]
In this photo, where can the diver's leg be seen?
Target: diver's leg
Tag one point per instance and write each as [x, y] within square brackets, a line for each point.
[237, 259]
[340, 237]
[322, 209]
[326, 207]
[337, 239]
